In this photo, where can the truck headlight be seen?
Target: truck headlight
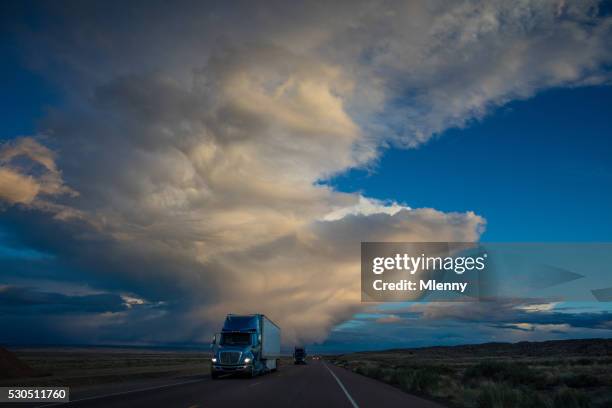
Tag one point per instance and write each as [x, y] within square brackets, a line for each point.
[214, 359]
[247, 360]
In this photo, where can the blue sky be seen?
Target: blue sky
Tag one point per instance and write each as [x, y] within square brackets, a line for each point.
[26, 95]
[538, 170]
[159, 170]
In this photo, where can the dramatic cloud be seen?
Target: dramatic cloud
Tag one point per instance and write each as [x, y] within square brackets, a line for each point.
[199, 138]
[27, 171]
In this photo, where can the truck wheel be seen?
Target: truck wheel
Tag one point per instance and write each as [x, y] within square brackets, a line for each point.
[214, 375]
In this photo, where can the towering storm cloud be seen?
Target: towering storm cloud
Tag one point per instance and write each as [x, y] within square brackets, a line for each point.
[184, 169]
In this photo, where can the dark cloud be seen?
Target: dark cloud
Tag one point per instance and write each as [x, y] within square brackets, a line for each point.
[512, 313]
[19, 300]
[505, 323]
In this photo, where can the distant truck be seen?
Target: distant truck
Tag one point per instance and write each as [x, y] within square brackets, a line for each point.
[299, 355]
[247, 344]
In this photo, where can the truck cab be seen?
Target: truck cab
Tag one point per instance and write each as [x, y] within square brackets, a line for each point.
[247, 344]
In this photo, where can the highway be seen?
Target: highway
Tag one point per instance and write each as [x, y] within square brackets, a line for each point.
[317, 384]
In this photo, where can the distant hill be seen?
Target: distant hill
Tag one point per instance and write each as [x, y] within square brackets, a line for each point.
[576, 348]
[12, 367]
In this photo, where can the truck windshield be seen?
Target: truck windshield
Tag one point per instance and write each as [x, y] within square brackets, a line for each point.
[235, 339]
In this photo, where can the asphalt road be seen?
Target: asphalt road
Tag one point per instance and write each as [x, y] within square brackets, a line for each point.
[316, 384]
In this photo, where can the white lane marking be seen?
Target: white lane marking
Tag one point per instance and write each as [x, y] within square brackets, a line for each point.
[252, 385]
[342, 386]
[121, 393]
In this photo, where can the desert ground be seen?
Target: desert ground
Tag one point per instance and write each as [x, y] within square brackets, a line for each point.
[88, 368]
[559, 374]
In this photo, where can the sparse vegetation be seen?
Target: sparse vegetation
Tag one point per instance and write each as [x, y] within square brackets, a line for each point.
[565, 374]
[498, 395]
[502, 371]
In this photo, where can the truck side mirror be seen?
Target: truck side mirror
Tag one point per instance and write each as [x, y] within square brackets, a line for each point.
[213, 341]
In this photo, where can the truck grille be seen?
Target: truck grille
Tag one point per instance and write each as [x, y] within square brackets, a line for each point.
[230, 357]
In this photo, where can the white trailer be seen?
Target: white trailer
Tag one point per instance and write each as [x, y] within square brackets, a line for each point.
[270, 342]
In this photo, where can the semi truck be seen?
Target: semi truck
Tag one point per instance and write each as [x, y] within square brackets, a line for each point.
[247, 344]
[299, 355]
